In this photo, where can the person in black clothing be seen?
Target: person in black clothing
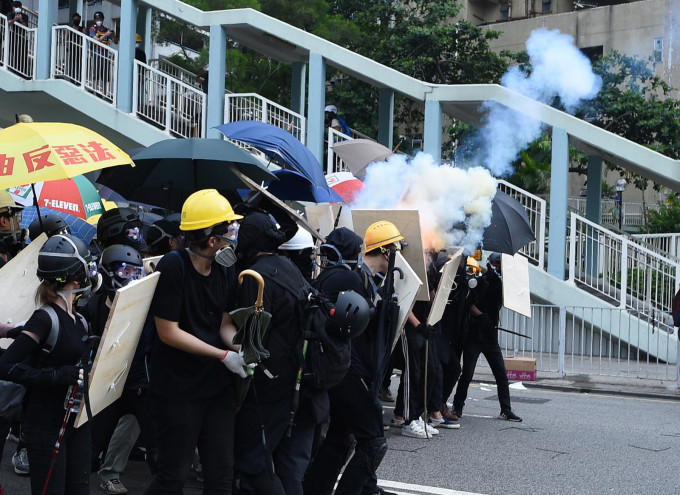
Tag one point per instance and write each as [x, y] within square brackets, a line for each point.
[48, 368]
[120, 226]
[300, 250]
[140, 54]
[12, 237]
[163, 236]
[483, 338]
[191, 392]
[267, 405]
[120, 265]
[356, 412]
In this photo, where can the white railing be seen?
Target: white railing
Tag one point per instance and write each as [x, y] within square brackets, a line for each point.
[573, 340]
[667, 243]
[177, 72]
[85, 62]
[17, 48]
[251, 106]
[537, 212]
[165, 102]
[334, 163]
[624, 272]
[632, 211]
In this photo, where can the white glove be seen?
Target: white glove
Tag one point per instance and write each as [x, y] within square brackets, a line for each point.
[235, 363]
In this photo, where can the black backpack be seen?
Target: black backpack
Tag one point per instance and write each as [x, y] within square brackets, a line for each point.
[327, 356]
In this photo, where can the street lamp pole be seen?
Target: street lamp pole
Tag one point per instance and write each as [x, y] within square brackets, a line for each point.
[620, 186]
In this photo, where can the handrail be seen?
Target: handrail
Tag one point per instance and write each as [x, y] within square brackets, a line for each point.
[334, 163]
[176, 71]
[17, 48]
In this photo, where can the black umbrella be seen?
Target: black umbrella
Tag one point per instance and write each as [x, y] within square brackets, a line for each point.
[168, 171]
[510, 229]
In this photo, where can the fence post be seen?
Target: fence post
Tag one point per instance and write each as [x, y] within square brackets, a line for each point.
[561, 341]
[624, 272]
[168, 104]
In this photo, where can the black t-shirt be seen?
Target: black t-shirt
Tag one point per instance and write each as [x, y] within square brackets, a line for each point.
[67, 350]
[283, 335]
[197, 303]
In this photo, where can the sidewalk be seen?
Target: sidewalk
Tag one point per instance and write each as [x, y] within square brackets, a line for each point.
[594, 384]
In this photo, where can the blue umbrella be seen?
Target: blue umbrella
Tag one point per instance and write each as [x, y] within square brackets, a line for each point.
[294, 186]
[278, 144]
[79, 227]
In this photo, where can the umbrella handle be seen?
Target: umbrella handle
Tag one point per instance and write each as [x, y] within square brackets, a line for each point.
[259, 303]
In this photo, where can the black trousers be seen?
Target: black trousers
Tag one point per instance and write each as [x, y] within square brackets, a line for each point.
[71, 473]
[357, 413]
[413, 394]
[451, 370]
[492, 352]
[184, 424]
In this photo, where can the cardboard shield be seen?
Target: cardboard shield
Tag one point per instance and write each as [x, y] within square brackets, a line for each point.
[118, 344]
[406, 289]
[150, 263]
[408, 223]
[324, 218]
[516, 293]
[441, 298]
[18, 283]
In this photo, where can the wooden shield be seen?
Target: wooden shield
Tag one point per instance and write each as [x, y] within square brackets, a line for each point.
[516, 293]
[408, 223]
[448, 272]
[18, 282]
[119, 342]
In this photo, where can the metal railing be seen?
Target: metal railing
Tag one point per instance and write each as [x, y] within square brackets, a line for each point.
[334, 163]
[174, 70]
[165, 102]
[537, 212]
[623, 272]
[667, 243]
[572, 340]
[17, 48]
[251, 106]
[632, 211]
[84, 62]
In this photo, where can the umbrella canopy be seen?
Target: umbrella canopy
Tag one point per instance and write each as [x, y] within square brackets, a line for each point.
[45, 151]
[359, 153]
[168, 171]
[79, 227]
[293, 186]
[510, 229]
[345, 185]
[76, 196]
[278, 144]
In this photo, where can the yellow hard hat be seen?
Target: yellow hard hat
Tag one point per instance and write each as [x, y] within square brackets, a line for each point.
[473, 265]
[206, 208]
[7, 202]
[381, 234]
[138, 38]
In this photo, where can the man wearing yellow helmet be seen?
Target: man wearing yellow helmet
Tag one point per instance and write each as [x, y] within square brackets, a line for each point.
[191, 392]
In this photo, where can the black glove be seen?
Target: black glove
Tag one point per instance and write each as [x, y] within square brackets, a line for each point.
[426, 330]
[67, 375]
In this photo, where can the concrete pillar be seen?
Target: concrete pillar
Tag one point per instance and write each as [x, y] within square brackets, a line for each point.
[144, 29]
[316, 130]
[432, 139]
[217, 62]
[557, 243]
[47, 17]
[593, 210]
[386, 118]
[76, 6]
[298, 85]
[126, 54]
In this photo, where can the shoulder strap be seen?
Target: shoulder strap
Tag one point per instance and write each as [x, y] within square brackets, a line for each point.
[53, 336]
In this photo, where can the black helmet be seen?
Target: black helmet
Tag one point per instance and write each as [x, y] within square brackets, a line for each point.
[65, 258]
[159, 232]
[99, 14]
[51, 225]
[259, 232]
[351, 314]
[120, 226]
[119, 265]
[342, 245]
[494, 258]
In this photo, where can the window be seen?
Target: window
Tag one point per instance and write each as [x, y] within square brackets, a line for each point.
[546, 6]
[505, 8]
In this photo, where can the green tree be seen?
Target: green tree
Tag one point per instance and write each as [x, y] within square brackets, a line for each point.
[666, 218]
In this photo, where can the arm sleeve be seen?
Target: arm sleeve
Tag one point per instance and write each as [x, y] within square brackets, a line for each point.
[13, 365]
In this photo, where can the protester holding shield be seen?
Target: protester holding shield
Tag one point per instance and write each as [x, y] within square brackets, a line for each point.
[48, 357]
[191, 392]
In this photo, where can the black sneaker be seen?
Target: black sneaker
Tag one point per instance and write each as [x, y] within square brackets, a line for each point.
[458, 411]
[510, 416]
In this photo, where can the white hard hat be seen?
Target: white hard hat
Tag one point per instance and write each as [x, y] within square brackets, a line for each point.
[331, 109]
[301, 240]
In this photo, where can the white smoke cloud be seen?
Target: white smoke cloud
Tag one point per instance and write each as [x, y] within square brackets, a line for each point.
[559, 70]
[445, 197]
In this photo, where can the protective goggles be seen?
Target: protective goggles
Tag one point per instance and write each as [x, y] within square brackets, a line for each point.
[231, 236]
[127, 271]
[134, 234]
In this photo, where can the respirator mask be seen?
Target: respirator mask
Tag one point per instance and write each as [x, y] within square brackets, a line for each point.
[226, 256]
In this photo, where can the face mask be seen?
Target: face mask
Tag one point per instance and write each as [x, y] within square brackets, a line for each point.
[137, 45]
[99, 23]
[76, 22]
[17, 10]
[226, 256]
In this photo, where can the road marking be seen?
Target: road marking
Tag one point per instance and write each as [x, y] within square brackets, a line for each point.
[419, 489]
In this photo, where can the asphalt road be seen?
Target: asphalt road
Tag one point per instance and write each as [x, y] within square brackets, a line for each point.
[568, 443]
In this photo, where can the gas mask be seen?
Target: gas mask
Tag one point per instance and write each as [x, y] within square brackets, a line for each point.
[226, 256]
[471, 281]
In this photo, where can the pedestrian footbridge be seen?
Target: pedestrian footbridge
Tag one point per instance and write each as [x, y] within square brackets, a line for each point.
[55, 73]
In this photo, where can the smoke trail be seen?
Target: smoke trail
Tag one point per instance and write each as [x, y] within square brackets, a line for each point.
[445, 196]
[559, 70]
